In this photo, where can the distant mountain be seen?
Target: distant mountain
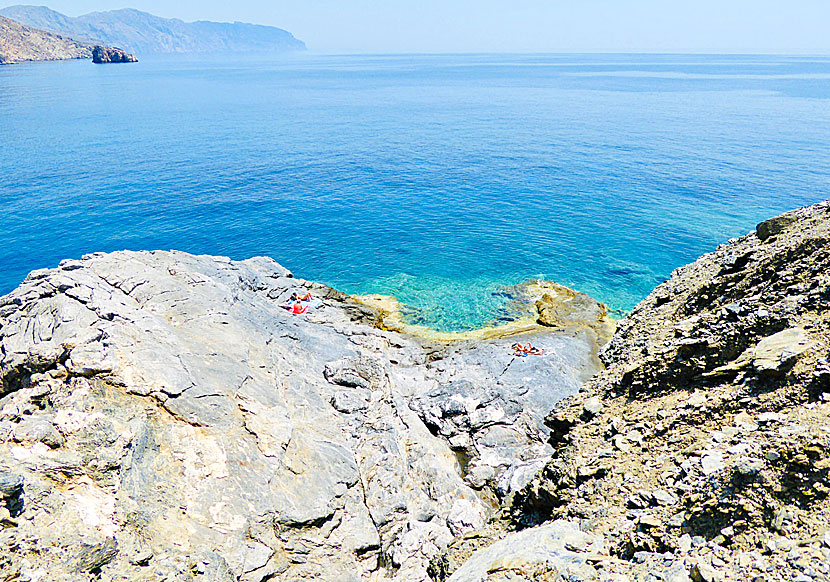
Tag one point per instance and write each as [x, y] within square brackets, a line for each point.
[143, 33]
[20, 43]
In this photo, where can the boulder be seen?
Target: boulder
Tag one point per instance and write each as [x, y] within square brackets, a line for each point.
[92, 558]
[775, 226]
[557, 547]
[778, 351]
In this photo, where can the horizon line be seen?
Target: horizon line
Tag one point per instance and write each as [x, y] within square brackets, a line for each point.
[690, 52]
[801, 52]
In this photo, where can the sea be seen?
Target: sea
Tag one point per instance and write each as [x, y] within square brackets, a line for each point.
[439, 179]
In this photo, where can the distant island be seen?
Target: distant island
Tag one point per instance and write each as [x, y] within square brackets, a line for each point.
[142, 33]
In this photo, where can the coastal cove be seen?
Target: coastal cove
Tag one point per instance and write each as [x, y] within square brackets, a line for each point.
[442, 180]
[163, 416]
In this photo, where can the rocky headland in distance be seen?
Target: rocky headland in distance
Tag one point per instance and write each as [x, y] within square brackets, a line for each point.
[162, 417]
[20, 44]
[142, 33]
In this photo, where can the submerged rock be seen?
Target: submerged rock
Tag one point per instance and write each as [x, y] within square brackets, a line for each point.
[534, 306]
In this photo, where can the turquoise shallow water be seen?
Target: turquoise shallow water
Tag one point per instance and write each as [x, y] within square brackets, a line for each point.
[434, 178]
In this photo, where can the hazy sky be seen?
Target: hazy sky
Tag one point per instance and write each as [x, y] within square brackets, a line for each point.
[515, 25]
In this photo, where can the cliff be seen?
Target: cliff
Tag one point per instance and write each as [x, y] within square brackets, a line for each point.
[702, 451]
[20, 43]
[163, 417]
[142, 33]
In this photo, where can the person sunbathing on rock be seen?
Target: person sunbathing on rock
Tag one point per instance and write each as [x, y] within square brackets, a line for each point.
[524, 350]
[298, 308]
[302, 304]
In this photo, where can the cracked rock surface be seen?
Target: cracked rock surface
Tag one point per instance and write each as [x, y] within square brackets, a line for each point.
[162, 417]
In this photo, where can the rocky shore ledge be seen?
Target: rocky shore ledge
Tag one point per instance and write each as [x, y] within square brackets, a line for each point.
[162, 417]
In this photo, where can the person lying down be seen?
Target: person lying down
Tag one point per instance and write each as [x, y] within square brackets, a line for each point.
[526, 350]
[302, 304]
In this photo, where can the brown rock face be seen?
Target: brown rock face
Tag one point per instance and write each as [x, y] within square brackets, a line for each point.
[563, 307]
[101, 54]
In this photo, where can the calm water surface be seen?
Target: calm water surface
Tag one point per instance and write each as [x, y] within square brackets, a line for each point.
[434, 178]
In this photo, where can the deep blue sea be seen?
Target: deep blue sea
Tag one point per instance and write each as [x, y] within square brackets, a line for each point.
[437, 179]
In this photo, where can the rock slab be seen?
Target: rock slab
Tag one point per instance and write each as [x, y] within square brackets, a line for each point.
[162, 416]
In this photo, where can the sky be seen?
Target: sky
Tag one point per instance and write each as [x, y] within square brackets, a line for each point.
[439, 26]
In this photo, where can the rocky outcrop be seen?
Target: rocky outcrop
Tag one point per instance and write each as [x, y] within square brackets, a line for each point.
[102, 54]
[702, 452]
[163, 417]
[20, 43]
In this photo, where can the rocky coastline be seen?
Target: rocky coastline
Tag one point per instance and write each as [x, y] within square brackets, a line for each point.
[163, 417]
[20, 44]
[143, 33]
